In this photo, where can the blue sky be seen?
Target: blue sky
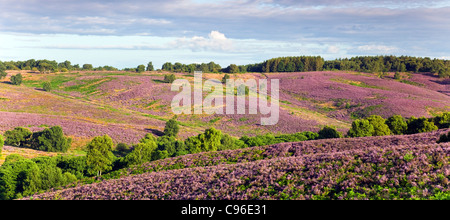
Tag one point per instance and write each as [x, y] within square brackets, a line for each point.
[129, 33]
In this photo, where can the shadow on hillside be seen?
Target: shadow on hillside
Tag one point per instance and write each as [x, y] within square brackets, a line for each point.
[7, 82]
[155, 132]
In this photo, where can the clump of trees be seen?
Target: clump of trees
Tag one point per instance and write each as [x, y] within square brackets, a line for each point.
[50, 139]
[397, 125]
[169, 78]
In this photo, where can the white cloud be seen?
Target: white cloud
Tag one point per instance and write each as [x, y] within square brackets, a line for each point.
[333, 49]
[377, 49]
[215, 41]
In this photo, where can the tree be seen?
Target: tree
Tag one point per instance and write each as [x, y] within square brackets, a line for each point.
[88, 67]
[232, 68]
[171, 129]
[143, 151]
[361, 128]
[167, 67]
[170, 78]
[397, 124]
[140, 69]
[47, 86]
[18, 137]
[150, 66]
[442, 120]
[50, 140]
[210, 139]
[379, 126]
[99, 157]
[420, 125]
[16, 79]
[225, 78]
[329, 133]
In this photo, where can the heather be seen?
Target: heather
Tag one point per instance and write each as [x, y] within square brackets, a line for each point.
[392, 172]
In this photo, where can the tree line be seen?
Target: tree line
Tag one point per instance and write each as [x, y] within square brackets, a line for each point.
[371, 64]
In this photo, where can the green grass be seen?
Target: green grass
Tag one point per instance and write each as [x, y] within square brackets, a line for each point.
[87, 87]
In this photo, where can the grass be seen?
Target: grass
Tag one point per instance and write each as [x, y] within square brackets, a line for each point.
[356, 83]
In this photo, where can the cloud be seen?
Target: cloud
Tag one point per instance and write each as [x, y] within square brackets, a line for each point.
[378, 49]
[215, 41]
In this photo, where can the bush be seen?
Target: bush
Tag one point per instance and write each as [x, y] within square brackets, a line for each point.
[50, 140]
[170, 78]
[329, 133]
[442, 120]
[171, 128]
[140, 69]
[420, 125]
[3, 74]
[47, 86]
[361, 128]
[397, 124]
[225, 78]
[379, 126]
[444, 138]
[142, 152]
[173, 146]
[210, 139]
[16, 79]
[19, 137]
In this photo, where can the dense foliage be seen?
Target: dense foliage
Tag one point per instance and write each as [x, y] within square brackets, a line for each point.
[2, 142]
[50, 139]
[17, 79]
[394, 167]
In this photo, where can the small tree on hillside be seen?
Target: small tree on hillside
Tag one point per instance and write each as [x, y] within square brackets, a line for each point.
[361, 128]
[16, 79]
[140, 69]
[328, 133]
[225, 78]
[150, 66]
[100, 157]
[170, 78]
[171, 128]
[47, 86]
[397, 124]
[379, 126]
[18, 137]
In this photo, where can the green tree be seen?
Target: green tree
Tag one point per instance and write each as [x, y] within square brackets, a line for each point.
[16, 79]
[420, 125]
[170, 78]
[442, 120]
[329, 133]
[171, 128]
[99, 156]
[210, 139]
[142, 152]
[140, 69]
[361, 128]
[397, 124]
[193, 145]
[232, 68]
[18, 137]
[88, 67]
[379, 126]
[167, 67]
[150, 66]
[225, 78]
[47, 86]
[50, 140]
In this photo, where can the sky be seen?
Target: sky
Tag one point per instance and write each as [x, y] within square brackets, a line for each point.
[129, 33]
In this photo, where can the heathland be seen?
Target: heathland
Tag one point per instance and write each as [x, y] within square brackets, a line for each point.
[127, 106]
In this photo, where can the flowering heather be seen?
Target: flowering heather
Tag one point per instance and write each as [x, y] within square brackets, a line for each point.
[407, 167]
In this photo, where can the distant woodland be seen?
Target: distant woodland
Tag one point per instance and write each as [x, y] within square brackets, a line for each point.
[371, 64]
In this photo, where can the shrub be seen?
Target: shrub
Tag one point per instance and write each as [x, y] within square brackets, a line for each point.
[140, 69]
[225, 78]
[328, 133]
[16, 79]
[99, 157]
[397, 124]
[142, 152]
[170, 78]
[210, 139]
[171, 128]
[170, 144]
[442, 120]
[379, 126]
[420, 125]
[19, 137]
[122, 148]
[50, 140]
[47, 86]
[444, 138]
[227, 143]
[3, 74]
[361, 128]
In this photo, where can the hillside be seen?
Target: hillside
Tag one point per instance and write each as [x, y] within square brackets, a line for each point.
[126, 106]
[393, 167]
